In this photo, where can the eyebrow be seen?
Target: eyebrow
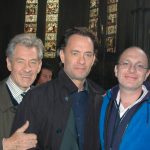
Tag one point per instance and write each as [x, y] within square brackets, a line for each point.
[18, 58]
[130, 61]
[88, 51]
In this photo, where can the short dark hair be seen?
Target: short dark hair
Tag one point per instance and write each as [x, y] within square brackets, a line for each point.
[83, 31]
[47, 66]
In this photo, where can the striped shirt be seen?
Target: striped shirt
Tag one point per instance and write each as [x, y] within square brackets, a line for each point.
[15, 90]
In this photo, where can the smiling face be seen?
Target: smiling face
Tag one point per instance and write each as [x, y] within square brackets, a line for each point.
[78, 57]
[131, 70]
[24, 66]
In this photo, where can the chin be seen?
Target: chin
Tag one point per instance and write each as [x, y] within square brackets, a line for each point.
[26, 85]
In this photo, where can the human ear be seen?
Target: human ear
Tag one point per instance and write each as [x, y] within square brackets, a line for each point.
[61, 54]
[9, 64]
[116, 71]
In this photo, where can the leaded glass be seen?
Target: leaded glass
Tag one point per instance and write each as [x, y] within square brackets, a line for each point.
[52, 9]
[31, 11]
[111, 26]
[93, 17]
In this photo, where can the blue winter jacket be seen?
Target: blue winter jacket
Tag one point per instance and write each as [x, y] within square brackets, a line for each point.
[137, 132]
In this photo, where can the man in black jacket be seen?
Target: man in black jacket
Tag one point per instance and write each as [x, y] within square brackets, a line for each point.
[64, 112]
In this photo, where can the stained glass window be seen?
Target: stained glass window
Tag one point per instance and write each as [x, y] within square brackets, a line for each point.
[31, 11]
[93, 18]
[52, 9]
[111, 26]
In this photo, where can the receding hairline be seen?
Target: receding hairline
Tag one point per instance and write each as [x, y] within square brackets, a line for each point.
[133, 48]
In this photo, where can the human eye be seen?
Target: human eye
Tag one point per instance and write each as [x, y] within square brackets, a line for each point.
[125, 63]
[89, 54]
[140, 66]
[33, 62]
[20, 61]
[74, 53]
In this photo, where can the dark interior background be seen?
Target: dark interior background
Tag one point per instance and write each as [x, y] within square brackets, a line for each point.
[133, 29]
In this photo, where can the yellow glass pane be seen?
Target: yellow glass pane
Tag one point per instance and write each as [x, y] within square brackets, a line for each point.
[93, 16]
[31, 11]
[52, 10]
[111, 26]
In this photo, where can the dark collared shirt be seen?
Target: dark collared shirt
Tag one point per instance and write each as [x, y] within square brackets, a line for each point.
[79, 106]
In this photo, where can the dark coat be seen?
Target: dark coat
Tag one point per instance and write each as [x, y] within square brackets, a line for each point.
[47, 108]
[7, 112]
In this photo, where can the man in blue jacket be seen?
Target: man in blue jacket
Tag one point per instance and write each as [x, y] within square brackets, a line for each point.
[125, 114]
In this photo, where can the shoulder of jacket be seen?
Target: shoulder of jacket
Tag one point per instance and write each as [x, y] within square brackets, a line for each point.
[95, 87]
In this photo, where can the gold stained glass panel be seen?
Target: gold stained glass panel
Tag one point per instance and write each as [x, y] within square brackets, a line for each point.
[93, 4]
[51, 27]
[31, 11]
[30, 27]
[112, 8]
[111, 19]
[31, 18]
[52, 9]
[111, 29]
[112, 1]
[94, 13]
[93, 16]
[51, 18]
[111, 26]
[32, 1]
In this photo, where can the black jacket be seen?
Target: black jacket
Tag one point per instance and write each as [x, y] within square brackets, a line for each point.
[47, 108]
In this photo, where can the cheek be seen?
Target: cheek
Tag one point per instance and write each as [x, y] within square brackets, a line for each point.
[69, 62]
[116, 69]
[36, 69]
[119, 73]
[92, 62]
[143, 76]
[16, 76]
[39, 66]
[90, 66]
[16, 69]
[34, 73]
[116, 73]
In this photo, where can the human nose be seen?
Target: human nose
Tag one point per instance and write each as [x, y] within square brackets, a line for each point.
[132, 68]
[81, 59]
[27, 67]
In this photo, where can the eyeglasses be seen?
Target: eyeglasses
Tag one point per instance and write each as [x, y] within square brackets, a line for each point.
[127, 65]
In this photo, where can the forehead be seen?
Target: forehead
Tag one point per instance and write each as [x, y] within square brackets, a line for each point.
[81, 41]
[45, 70]
[23, 51]
[134, 54]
